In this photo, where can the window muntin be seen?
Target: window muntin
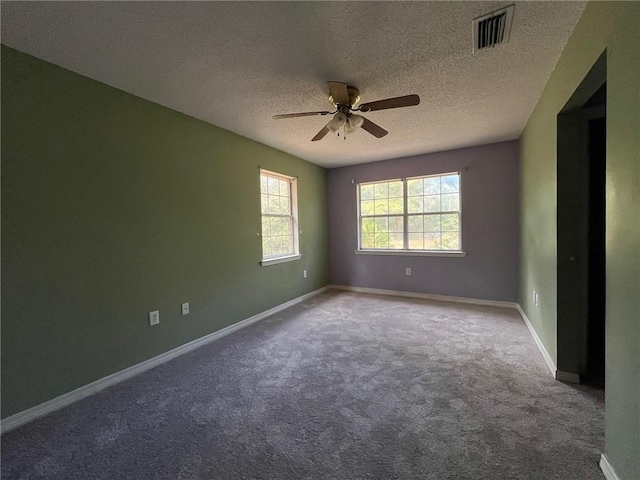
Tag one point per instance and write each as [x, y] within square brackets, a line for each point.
[418, 213]
[279, 215]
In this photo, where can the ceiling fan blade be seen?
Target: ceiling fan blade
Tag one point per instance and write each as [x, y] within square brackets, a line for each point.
[338, 91]
[302, 114]
[406, 101]
[375, 130]
[320, 135]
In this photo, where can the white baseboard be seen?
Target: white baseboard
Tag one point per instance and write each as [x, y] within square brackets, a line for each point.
[607, 470]
[547, 358]
[57, 403]
[426, 296]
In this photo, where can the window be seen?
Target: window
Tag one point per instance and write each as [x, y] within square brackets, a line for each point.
[419, 214]
[279, 208]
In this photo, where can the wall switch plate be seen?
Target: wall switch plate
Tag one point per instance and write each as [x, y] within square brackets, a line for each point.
[407, 271]
[304, 274]
[154, 318]
[185, 309]
[537, 299]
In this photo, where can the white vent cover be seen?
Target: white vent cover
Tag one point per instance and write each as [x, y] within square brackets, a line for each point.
[492, 29]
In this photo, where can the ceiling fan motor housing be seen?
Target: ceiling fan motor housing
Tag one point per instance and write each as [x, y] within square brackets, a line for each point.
[354, 97]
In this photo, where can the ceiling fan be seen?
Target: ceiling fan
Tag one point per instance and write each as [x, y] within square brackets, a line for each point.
[345, 98]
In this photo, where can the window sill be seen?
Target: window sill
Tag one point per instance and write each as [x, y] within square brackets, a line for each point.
[414, 253]
[275, 261]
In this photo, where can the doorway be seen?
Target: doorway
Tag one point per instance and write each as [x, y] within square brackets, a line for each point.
[581, 216]
[594, 374]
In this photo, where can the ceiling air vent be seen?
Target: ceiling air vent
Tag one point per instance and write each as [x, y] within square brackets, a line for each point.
[492, 29]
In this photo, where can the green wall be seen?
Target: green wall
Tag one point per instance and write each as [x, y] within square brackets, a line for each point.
[113, 206]
[614, 27]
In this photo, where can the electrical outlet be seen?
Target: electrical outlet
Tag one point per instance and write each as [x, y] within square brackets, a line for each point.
[185, 309]
[407, 271]
[154, 318]
[304, 274]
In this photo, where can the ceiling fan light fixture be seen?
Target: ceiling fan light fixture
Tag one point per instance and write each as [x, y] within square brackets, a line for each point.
[354, 122]
[338, 120]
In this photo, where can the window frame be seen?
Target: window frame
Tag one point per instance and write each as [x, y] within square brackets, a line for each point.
[405, 215]
[293, 202]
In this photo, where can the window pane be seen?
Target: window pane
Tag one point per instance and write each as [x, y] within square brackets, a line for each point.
[396, 240]
[432, 223]
[284, 188]
[366, 192]
[395, 189]
[415, 241]
[285, 207]
[432, 241]
[266, 247]
[396, 205]
[266, 226]
[282, 226]
[287, 245]
[264, 201]
[382, 225]
[431, 185]
[450, 183]
[450, 241]
[450, 202]
[414, 204]
[414, 187]
[382, 207]
[278, 243]
[367, 207]
[415, 223]
[450, 223]
[368, 240]
[273, 245]
[271, 228]
[432, 203]
[263, 184]
[287, 227]
[396, 224]
[381, 190]
[382, 240]
[367, 225]
[274, 188]
[274, 204]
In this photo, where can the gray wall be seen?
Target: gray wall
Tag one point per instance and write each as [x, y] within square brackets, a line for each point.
[490, 226]
[113, 206]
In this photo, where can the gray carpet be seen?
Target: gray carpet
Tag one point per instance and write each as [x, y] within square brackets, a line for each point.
[342, 386]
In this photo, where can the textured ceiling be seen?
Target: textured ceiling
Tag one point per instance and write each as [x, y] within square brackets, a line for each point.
[235, 64]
